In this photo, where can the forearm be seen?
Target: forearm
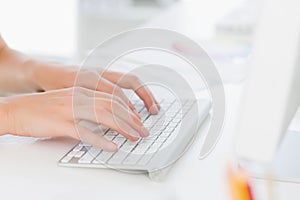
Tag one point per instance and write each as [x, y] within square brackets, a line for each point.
[3, 117]
[16, 71]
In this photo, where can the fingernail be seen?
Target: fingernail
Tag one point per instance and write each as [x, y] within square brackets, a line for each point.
[133, 133]
[158, 106]
[112, 147]
[144, 132]
[154, 109]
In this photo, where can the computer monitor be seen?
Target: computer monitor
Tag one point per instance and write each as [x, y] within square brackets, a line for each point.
[272, 92]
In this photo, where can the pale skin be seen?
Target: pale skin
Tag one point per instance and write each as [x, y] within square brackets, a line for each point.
[50, 113]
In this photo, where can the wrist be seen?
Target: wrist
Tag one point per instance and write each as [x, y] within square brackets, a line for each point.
[49, 76]
[31, 70]
[41, 72]
[2, 44]
[3, 117]
[19, 69]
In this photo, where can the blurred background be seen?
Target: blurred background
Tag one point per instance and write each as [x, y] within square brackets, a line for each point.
[70, 28]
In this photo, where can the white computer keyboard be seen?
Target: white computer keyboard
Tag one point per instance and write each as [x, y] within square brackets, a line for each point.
[161, 128]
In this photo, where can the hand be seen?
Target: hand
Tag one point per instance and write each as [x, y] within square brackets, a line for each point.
[51, 77]
[51, 114]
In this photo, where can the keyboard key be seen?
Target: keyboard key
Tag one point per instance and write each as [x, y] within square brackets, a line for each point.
[103, 157]
[161, 127]
[148, 124]
[175, 107]
[177, 121]
[111, 133]
[154, 148]
[132, 159]
[72, 153]
[66, 159]
[118, 157]
[167, 143]
[159, 123]
[94, 151]
[148, 140]
[141, 148]
[168, 130]
[167, 120]
[131, 143]
[170, 114]
[84, 144]
[109, 137]
[165, 134]
[153, 119]
[77, 148]
[155, 130]
[139, 106]
[119, 141]
[165, 105]
[128, 146]
[101, 130]
[160, 140]
[145, 159]
[79, 154]
[144, 114]
[87, 158]
[173, 124]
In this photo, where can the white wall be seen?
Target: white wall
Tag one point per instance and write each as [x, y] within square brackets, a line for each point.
[39, 27]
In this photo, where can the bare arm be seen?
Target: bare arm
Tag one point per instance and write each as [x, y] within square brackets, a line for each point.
[2, 43]
[53, 109]
[16, 70]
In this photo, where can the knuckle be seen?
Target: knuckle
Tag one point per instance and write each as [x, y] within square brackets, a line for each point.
[109, 103]
[134, 78]
[108, 96]
[78, 89]
[118, 99]
[70, 78]
[135, 82]
[89, 72]
[67, 91]
[116, 90]
[114, 102]
[100, 109]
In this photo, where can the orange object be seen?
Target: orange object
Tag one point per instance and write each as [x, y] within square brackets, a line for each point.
[239, 185]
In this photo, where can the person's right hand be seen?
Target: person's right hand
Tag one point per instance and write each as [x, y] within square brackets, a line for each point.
[57, 113]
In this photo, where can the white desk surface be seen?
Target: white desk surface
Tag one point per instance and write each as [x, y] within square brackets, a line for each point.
[29, 170]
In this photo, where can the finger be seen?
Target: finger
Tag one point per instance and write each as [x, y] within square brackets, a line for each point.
[87, 136]
[121, 120]
[103, 95]
[104, 117]
[132, 82]
[86, 105]
[92, 80]
[119, 112]
[109, 87]
[100, 95]
[150, 102]
[120, 126]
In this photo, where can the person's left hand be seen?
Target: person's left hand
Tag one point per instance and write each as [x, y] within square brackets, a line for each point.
[55, 76]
